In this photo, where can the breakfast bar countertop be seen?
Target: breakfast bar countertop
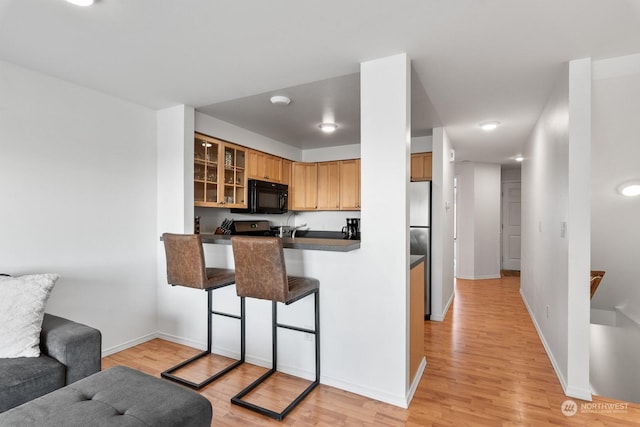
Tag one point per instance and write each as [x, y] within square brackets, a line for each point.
[309, 243]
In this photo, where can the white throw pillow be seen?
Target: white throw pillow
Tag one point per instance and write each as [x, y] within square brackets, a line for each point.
[22, 303]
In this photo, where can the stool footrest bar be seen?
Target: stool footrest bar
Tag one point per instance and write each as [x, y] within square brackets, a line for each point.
[237, 399]
[169, 372]
[296, 328]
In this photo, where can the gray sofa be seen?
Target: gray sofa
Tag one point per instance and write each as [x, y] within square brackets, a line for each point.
[70, 351]
[117, 396]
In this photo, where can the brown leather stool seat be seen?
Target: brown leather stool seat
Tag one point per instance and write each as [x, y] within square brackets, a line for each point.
[186, 267]
[261, 273]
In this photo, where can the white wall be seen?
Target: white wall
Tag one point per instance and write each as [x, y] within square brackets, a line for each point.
[364, 292]
[465, 210]
[442, 274]
[615, 152]
[341, 152]
[421, 144]
[555, 273]
[228, 132]
[510, 173]
[383, 272]
[478, 210]
[175, 215]
[615, 235]
[78, 188]
[615, 365]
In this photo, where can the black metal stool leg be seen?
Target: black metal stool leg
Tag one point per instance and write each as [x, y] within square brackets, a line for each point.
[210, 312]
[237, 399]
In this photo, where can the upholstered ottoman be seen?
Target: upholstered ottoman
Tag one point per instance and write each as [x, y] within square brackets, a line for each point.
[118, 396]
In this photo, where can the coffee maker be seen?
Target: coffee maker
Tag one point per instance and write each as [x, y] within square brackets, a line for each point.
[352, 229]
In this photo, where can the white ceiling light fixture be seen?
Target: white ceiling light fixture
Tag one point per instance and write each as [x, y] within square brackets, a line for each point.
[630, 189]
[518, 158]
[81, 2]
[328, 127]
[489, 126]
[280, 100]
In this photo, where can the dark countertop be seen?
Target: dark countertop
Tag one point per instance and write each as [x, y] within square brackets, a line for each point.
[316, 244]
[414, 260]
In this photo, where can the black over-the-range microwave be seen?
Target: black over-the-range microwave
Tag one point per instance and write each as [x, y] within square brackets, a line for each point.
[265, 198]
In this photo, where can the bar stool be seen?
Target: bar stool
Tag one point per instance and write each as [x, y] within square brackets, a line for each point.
[186, 267]
[261, 273]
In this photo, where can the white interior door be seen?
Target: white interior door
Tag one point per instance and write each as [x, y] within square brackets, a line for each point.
[511, 226]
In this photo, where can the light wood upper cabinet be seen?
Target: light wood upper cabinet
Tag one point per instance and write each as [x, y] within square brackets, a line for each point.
[325, 186]
[328, 186]
[303, 191]
[264, 167]
[421, 166]
[219, 173]
[286, 178]
[350, 185]
[286, 172]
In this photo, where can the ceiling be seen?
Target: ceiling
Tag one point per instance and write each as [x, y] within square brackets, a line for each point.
[472, 60]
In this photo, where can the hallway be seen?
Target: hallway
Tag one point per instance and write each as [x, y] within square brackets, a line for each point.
[485, 367]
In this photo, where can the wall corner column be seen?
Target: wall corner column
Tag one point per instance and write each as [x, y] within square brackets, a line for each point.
[385, 152]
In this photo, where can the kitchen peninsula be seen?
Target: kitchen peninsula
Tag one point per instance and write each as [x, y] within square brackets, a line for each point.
[309, 243]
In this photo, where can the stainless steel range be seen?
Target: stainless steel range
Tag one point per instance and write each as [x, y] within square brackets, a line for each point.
[251, 228]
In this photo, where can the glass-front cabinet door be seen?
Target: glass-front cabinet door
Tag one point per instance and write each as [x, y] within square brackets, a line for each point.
[219, 176]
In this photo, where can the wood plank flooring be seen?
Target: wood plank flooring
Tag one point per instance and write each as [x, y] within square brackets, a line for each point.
[485, 367]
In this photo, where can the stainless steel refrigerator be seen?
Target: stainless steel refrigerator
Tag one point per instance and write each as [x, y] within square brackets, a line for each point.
[420, 233]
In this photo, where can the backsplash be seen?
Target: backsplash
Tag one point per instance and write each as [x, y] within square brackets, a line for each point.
[324, 220]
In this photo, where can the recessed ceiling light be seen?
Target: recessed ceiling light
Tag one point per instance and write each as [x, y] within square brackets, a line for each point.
[328, 127]
[489, 126]
[518, 158]
[81, 2]
[280, 100]
[630, 189]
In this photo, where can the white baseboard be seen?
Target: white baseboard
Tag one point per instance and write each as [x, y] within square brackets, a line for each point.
[287, 369]
[416, 381]
[554, 363]
[441, 317]
[579, 393]
[400, 401]
[184, 341]
[132, 343]
[490, 276]
[378, 395]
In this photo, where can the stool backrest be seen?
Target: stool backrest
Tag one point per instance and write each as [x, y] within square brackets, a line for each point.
[185, 260]
[260, 268]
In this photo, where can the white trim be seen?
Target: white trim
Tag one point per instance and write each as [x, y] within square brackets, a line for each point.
[489, 276]
[556, 368]
[568, 391]
[416, 381]
[287, 369]
[128, 344]
[370, 393]
[444, 313]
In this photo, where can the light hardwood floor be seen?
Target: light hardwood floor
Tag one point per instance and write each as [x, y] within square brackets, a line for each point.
[485, 367]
